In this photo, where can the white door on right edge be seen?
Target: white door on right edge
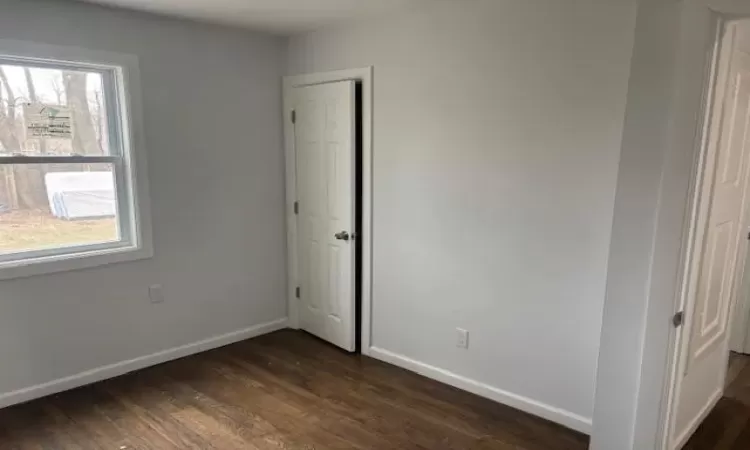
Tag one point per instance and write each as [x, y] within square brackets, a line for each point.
[718, 260]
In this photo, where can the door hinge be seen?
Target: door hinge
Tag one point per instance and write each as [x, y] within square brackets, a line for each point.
[678, 319]
[296, 207]
[294, 116]
[296, 292]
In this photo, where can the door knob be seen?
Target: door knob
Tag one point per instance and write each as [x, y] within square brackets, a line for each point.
[342, 236]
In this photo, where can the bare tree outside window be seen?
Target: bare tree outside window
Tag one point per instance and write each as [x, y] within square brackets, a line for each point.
[27, 208]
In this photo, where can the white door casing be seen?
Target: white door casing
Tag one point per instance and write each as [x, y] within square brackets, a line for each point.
[717, 266]
[324, 135]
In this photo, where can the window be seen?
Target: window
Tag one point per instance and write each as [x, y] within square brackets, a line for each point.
[67, 160]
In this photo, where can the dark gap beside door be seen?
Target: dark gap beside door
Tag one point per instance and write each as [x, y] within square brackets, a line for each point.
[358, 219]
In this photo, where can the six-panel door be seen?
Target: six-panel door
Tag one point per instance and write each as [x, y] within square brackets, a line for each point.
[325, 146]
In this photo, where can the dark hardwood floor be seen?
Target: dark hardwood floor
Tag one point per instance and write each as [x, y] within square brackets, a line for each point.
[285, 390]
[727, 427]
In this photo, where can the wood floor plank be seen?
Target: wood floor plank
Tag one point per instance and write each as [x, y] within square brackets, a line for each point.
[443, 405]
[341, 392]
[727, 427]
[286, 390]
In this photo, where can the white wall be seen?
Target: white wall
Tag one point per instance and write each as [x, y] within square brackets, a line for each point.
[497, 134]
[631, 259]
[211, 104]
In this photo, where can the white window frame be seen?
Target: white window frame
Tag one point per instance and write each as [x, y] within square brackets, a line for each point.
[121, 83]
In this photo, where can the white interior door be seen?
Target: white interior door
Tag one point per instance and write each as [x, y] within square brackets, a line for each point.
[720, 247]
[325, 145]
[740, 317]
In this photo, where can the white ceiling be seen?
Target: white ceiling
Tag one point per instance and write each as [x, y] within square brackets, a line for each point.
[277, 16]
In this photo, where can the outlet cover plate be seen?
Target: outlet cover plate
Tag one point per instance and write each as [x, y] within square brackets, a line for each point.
[462, 338]
[156, 293]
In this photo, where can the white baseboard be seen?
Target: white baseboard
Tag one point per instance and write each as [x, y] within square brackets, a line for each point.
[123, 367]
[551, 413]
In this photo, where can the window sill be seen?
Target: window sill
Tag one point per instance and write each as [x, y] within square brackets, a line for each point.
[72, 261]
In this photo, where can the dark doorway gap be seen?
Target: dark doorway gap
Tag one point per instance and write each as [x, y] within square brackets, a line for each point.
[358, 218]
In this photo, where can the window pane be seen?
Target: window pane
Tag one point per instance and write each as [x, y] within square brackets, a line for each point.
[52, 112]
[47, 206]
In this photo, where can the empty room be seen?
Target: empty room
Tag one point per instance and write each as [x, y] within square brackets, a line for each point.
[374, 224]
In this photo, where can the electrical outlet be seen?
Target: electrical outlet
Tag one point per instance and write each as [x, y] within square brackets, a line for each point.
[155, 293]
[462, 338]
